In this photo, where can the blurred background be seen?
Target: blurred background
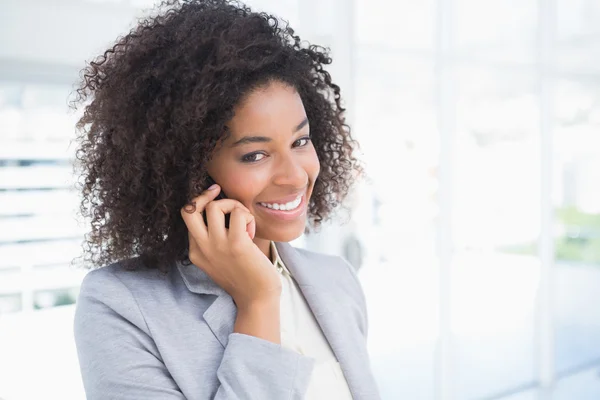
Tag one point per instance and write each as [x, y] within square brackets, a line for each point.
[479, 226]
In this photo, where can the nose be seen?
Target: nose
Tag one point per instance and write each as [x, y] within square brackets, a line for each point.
[290, 172]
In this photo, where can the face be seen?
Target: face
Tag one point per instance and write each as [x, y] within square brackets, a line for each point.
[268, 163]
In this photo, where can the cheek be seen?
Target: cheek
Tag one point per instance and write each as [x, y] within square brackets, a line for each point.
[245, 187]
[313, 167]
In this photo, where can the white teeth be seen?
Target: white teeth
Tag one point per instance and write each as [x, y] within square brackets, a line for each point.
[285, 207]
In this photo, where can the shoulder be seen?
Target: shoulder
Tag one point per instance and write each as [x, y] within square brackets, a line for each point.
[116, 281]
[324, 258]
[335, 264]
[334, 269]
[113, 290]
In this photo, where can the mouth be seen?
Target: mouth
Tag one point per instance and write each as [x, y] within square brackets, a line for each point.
[288, 210]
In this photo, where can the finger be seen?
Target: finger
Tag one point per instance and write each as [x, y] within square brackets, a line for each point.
[206, 197]
[195, 225]
[192, 213]
[241, 224]
[195, 253]
[230, 204]
[215, 215]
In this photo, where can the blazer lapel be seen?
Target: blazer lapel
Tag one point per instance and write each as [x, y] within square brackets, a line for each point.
[317, 285]
[221, 314]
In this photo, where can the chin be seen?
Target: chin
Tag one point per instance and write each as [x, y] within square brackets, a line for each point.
[284, 234]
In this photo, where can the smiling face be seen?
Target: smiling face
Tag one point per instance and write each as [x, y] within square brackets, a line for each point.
[268, 163]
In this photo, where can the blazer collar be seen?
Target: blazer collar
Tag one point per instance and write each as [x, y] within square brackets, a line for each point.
[198, 281]
[220, 315]
[315, 287]
[317, 284]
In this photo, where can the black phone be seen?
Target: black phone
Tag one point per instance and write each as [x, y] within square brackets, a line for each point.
[221, 195]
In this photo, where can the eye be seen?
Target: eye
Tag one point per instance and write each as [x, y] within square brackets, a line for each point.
[302, 142]
[253, 157]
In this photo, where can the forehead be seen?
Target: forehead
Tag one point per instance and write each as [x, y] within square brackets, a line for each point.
[269, 109]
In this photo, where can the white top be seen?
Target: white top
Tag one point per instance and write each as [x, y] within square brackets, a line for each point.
[301, 332]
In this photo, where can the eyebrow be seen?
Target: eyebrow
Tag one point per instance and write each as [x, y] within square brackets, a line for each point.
[265, 139]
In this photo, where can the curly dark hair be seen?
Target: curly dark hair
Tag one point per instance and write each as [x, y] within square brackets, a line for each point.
[157, 103]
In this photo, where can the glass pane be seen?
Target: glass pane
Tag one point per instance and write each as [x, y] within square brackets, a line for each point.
[400, 24]
[39, 347]
[583, 385]
[495, 272]
[578, 34]
[577, 18]
[503, 31]
[395, 123]
[54, 298]
[10, 303]
[35, 168]
[532, 394]
[577, 233]
[11, 281]
[30, 113]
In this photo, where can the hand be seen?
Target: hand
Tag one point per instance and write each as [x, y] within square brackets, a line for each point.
[229, 256]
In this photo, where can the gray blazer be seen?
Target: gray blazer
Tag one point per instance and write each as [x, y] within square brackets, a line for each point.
[142, 335]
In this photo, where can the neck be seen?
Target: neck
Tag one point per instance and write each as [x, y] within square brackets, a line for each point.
[264, 245]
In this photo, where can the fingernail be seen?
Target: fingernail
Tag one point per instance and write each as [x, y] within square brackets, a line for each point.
[213, 187]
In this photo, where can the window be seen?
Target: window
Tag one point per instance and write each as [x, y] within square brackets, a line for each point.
[37, 200]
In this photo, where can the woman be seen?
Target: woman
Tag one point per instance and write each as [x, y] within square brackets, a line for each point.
[204, 297]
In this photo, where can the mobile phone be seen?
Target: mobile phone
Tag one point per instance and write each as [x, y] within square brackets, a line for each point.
[221, 195]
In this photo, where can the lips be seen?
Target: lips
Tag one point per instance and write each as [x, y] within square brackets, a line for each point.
[286, 199]
[290, 211]
[288, 206]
